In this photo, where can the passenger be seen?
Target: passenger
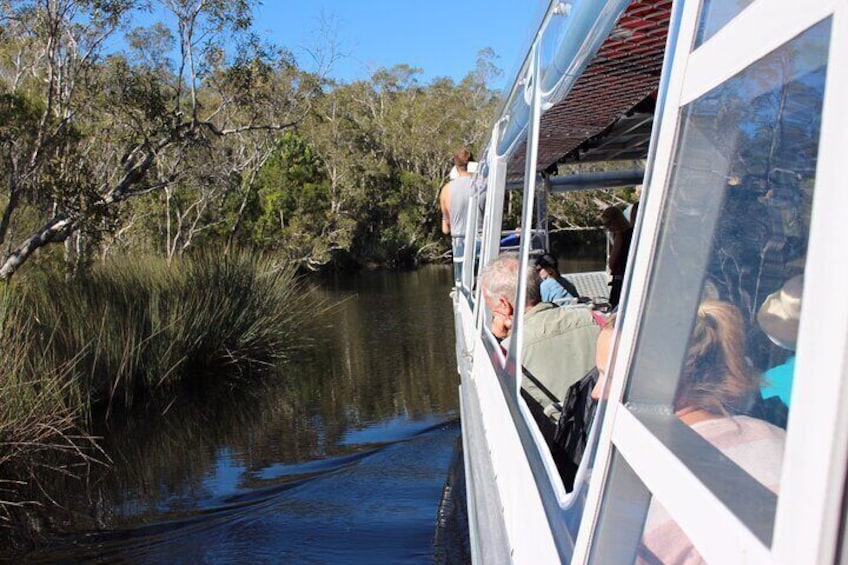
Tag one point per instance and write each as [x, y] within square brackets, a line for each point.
[578, 411]
[712, 392]
[632, 209]
[778, 318]
[602, 351]
[471, 168]
[453, 201]
[622, 232]
[554, 287]
[511, 239]
[559, 343]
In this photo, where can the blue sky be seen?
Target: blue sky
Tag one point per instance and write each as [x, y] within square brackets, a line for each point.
[442, 37]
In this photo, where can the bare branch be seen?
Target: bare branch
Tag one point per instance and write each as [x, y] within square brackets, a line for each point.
[54, 230]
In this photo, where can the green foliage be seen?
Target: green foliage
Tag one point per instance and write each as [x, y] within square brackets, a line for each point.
[221, 143]
[291, 193]
[378, 152]
[135, 94]
[135, 325]
[18, 114]
[89, 128]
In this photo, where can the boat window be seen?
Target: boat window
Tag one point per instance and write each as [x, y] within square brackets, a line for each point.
[716, 340]
[472, 252]
[497, 353]
[617, 541]
[651, 537]
[714, 15]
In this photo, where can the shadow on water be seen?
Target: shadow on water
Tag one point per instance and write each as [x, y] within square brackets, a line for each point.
[341, 457]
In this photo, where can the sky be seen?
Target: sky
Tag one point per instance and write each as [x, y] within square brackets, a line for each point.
[431, 34]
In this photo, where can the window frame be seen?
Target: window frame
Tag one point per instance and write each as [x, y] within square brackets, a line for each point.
[808, 509]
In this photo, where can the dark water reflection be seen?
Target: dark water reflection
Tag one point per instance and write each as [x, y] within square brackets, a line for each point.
[341, 458]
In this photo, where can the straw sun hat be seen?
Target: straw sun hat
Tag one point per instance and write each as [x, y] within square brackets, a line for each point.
[778, 316]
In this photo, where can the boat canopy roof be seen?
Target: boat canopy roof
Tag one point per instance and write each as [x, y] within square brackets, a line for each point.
[600, 70]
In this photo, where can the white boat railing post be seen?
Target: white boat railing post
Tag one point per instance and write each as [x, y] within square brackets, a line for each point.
[619, 358]
[532, 96]
[470, 254]
[811, 516]
[494, 201]
[492, 215]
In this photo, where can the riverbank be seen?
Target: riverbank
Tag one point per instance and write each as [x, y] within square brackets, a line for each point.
[340, 453]
[127, 331]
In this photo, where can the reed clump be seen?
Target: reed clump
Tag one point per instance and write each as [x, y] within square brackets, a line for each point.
[40, 409]
[130, 328]
[137, 325]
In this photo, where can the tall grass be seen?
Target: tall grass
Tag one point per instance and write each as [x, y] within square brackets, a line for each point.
[39, 413]
[131, 327]
[139, 324]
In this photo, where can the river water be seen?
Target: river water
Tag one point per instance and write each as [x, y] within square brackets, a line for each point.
[342, 458]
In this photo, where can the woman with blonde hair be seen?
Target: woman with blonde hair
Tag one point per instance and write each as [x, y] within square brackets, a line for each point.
[714, 392]
[717, 379]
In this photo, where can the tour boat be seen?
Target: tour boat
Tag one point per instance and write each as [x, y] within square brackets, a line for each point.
[737, 108]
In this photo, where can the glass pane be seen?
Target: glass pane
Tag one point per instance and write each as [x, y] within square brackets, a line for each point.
[663, 541]
[714, 14]
[716, 344]
[474, 237]
[626, 500]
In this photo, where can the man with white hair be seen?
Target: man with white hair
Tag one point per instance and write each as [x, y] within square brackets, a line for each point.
[559, 342]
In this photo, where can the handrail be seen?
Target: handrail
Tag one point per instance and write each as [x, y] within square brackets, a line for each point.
[590, 181]
[603, 179]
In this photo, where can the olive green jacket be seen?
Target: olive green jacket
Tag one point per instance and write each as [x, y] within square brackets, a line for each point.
[559, 349]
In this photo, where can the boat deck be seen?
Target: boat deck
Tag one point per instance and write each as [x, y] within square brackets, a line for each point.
[592, 285]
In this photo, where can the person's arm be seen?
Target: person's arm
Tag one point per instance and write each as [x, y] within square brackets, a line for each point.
[634, 211]
[444, 201]
[616, 252]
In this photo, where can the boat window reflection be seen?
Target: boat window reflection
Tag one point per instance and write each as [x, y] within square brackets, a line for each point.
[714, 15]
[725, 292]
[663, 541]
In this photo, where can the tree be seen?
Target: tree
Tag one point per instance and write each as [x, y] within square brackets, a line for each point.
[104, 127]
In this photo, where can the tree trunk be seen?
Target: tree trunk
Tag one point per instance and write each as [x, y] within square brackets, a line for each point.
[55, 230]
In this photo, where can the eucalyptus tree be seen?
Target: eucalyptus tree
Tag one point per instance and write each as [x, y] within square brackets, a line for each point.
[339, 143]
[419, 126]
[90, 127]
[384, 147]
